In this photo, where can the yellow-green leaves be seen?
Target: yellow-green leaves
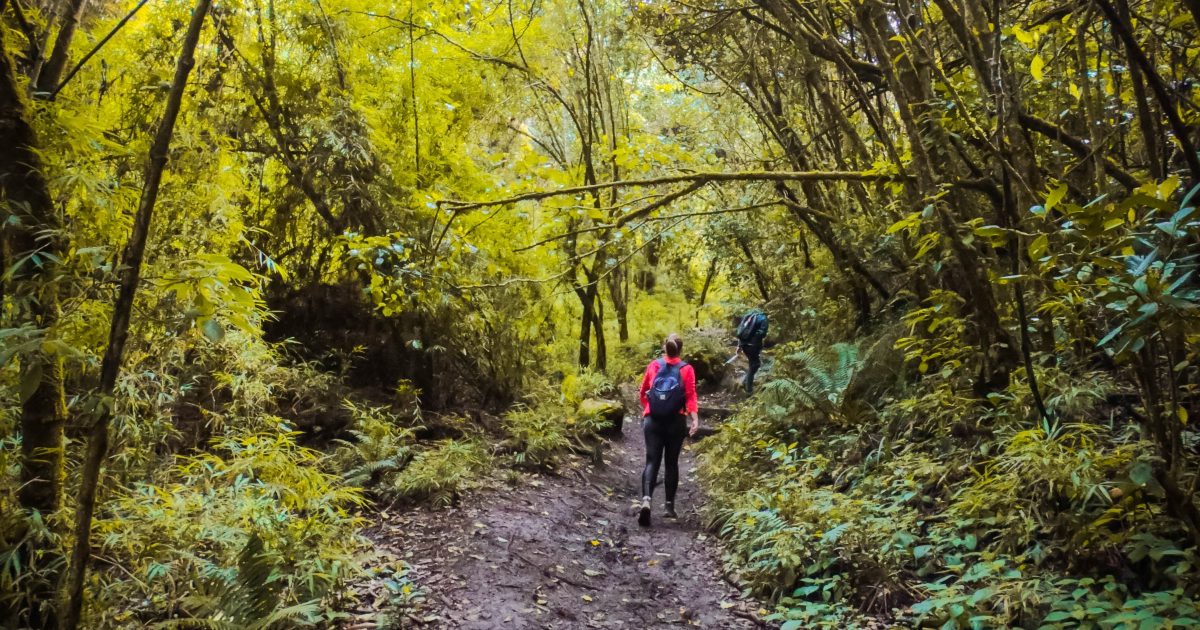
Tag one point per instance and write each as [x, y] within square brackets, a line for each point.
[1055, 197]
[1036, 68]
[909, 223]
[1026, 38]
[1037, 247]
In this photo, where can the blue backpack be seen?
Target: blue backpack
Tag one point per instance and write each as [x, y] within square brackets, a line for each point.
[667, 396]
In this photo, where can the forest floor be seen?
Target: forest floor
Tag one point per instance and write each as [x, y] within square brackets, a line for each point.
[562, 551]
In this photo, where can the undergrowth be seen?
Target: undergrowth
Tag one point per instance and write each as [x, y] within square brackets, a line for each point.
[256, 502]
[846, 495]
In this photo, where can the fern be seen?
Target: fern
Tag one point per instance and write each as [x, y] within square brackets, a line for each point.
[438, 474]
[377, 447]
[818, 380]
[252, 601]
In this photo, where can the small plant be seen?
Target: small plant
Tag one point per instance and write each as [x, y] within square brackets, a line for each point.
[252, 600]
[402, 596]
[439, 474]
[540, 433]
[378, 446]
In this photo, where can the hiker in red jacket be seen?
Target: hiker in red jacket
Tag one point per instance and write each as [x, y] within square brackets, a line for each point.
[668, 392]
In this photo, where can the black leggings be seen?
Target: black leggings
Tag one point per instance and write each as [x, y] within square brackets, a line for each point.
[663, 437]
[753, 354]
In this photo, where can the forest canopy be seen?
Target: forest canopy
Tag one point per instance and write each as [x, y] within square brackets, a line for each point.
[274, 266]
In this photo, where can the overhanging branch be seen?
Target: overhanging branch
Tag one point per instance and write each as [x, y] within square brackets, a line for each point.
[694, 178]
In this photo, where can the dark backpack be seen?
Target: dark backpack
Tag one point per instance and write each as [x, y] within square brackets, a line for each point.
[667, 396]
[747, 327]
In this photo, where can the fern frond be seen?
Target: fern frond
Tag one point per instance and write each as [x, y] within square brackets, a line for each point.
[291, 614]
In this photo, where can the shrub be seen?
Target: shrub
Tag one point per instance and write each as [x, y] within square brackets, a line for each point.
[539, 433]
[577, 388]
[439, 474]
[163, 542]
[378, 446]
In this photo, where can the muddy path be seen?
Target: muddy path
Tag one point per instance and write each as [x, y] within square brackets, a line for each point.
[565, 551]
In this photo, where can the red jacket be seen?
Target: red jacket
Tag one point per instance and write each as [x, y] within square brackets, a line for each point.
[689, 385]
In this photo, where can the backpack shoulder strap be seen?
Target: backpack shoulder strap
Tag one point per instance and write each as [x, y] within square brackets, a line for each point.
[662, 363]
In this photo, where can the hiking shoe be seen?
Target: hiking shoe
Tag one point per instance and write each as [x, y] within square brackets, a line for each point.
[644, 513]
[669, 512]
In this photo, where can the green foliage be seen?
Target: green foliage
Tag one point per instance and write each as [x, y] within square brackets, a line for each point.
[938, 330]
[439, 474]
[577, 388]
[833, 514]
[1105, 603]
[544, 430]
[821, 379]
[540, 433]
[250, 601]
[256, 503]
[377, 446]
[402, 596]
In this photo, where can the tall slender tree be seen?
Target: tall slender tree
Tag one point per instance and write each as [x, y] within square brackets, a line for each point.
[130, 276]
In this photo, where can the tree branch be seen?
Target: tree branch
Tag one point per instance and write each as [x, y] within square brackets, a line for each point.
[701, 178]
[1077, 146]
[95, 49]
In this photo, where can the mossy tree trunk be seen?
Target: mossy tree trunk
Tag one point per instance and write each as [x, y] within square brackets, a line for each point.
[33, 249]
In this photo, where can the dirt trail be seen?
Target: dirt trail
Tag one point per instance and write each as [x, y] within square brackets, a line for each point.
[565, 551]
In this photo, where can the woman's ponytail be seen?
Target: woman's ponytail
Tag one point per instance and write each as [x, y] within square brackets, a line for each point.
[673, 346]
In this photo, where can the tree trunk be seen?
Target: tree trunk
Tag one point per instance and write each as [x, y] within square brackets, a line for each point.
[598, 327]
[47, 80]
[110, 367]
[1092, 115]
[618, 290]
[24, 189]
[647, 278]
[1148, 123]
[708, 279]
[760, 279]
[1137, 56]
[585, 327]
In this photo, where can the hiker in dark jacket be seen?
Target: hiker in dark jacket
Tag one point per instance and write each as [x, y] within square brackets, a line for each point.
[751, 331]
[668, 396]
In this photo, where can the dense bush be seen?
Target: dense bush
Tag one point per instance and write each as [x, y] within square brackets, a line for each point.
[178, 546]
[910, 502]
[441, 472]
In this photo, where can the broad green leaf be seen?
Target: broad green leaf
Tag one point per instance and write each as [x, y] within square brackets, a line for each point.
[31, 379]
[1037, 247]
[1141, 473]
[1055, 196]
